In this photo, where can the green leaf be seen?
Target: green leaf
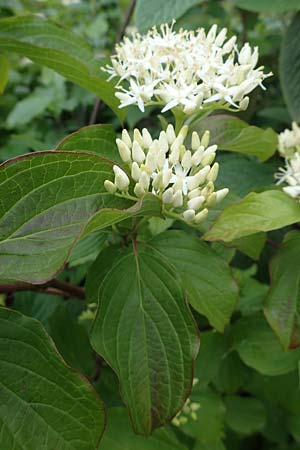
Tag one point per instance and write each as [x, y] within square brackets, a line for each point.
[213, 348]
[243, 174]
[244, 415]
[29, 108]
[281, 391]
[232, 373]
[206, 277]
[37, 305]
[44, 403]
[4, 68]
[52, 196]
[119, 436]
[259, 347]
[100, 139]
[72, 340]
[53, 46]
[276, 6]
[145, 332]
[289, 67]
[251, 245]
[208, 428]
[156, 12]
[265, 211]
[87, 249]
[282, 304]
[235, 135]
[293, 426]
[55, 197]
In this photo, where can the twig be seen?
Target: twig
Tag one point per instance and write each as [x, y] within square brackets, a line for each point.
[273, 244]
[53, 287]
[127, 19]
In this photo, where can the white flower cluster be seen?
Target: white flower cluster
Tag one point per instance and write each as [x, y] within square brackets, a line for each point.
[183, 179]
[188, 70]
[289, 148]
[289, 141]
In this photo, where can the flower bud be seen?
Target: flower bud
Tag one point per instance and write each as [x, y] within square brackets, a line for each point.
[227, 48]
[138, 137]
[121, 179]
[123, 150]
[183, 132]
[195, 140]
[205, 138]
[150, 162]
[178, 199]
[163, 142]
[194, 193]
[186, 161]
[196, 202]
[167, 196]
[207, 160]
[243, 105]
[139, 190]
[213, 173]
[157, 182]
[211, 199]
[135, 171]
[197, 156]
[110, 186]
[144, 180]
[171, 136]
[221, 194]
[147, 139]
[166, 177]
[189, 215]
[137, 153]
[202, 215]
[126, 138]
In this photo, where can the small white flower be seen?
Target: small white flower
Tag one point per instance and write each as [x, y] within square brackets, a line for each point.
[185, 69]
[167, 169]
[291, 176]
[289, 141]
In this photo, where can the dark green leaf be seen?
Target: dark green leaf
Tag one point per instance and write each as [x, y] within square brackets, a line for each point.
[244, 415]
[72, 340]
[213, 348]
[282, 304]
[232, 373]
[52, 46]
[235, 135]
[156, 12]
[145, 332]
[52, 197]
[119, 436]
[4, 67]
[87, 249]
[276, 6]
[259, 347]
[250, 245]
[265, 211]
[206, 276]
[290, 66]
[100, 139]
[44, 403]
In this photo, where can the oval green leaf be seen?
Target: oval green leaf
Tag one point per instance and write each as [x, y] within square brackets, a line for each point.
[265, 211]
[53, 46]
[205, 276]
[145, 332]
[44, 403]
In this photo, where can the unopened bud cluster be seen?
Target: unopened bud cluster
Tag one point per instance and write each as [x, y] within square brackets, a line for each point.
[289, 148]
[182, 178]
